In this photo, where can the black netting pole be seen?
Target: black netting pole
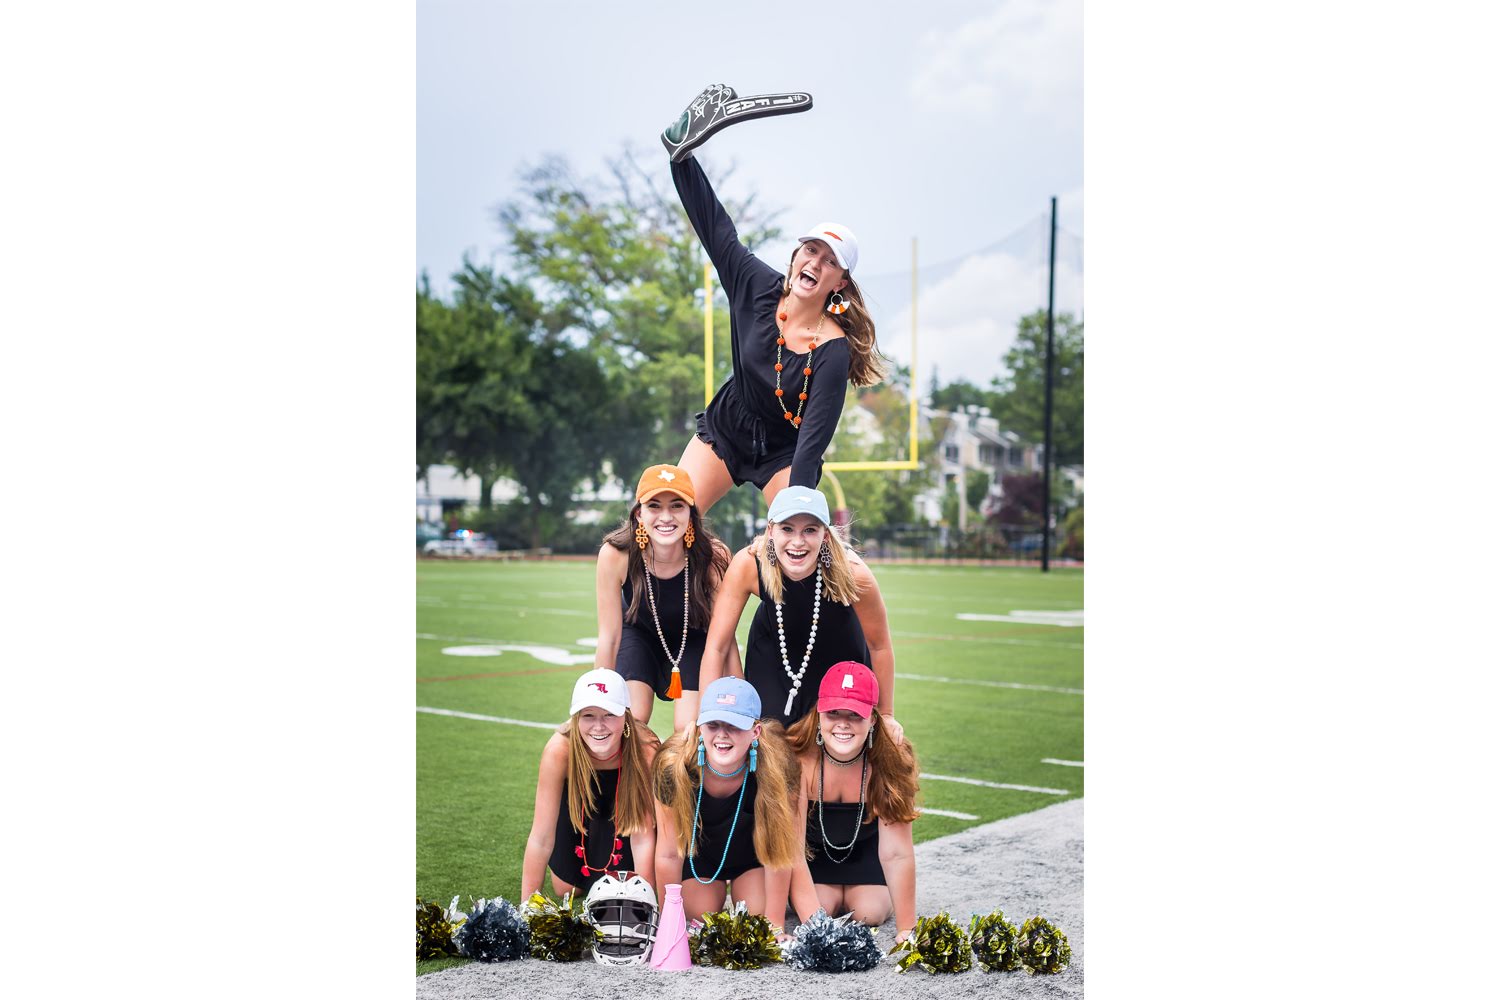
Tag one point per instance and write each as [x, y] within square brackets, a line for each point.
[1047, 405]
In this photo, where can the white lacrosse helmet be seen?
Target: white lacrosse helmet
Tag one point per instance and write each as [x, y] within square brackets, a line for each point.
[623, 906]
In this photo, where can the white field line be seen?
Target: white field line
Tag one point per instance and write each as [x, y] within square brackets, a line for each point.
[432, 602]
[997, 640]
[1072, 618]
[1064, 763]
[491, 641]
[994, 784]
[943, 812]
[978, 683]
[551, 726]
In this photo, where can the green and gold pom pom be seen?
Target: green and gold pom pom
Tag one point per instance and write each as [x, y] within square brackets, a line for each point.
[560, 932]
[993, 940]
[735, 940]
[434, 932]
[1043, 947]
[936, 944]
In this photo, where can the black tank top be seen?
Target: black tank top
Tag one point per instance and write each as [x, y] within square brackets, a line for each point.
[599, 845]
[668, 595]
[859, 865]
[840, 638]
[715, 820]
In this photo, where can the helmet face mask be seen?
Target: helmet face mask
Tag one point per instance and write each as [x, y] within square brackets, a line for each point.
[623, 907]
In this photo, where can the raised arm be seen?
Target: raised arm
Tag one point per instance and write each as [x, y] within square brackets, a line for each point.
[731, 259]
[721, 652]
[825, 404]
[609, 577]
[549, 784]
[869, 608]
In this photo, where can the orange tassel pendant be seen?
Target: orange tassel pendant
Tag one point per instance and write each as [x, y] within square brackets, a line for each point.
[674, 689]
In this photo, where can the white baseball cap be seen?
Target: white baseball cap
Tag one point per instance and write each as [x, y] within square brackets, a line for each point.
[600, 688]
[839, 239]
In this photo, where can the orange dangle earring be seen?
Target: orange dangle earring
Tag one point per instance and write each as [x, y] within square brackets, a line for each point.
[641, 538]
[688, 536]
[838, 305]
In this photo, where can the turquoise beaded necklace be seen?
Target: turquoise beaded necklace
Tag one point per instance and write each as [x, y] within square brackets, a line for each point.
[698, 807]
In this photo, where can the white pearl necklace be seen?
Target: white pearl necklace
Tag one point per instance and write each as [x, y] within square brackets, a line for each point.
[651, 597]
[811, 638]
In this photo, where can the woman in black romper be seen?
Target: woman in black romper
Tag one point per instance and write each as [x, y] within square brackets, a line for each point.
[654, 588]
[797, 340]
[593, 809]
[859, 792]
[803, 574]
[725, 794]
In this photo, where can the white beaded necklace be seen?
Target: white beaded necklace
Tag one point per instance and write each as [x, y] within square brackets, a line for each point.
[651, 597]
[811, 638]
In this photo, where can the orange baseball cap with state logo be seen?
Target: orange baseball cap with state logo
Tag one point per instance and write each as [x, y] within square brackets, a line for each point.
[664, 479]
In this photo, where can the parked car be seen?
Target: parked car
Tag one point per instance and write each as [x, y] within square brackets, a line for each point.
[462, 542]
[428, 532]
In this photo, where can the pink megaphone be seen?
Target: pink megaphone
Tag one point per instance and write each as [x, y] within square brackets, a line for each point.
[670, 953]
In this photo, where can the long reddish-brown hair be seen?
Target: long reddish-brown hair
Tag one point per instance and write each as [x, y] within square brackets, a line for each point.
[708, 559]
[893, 767]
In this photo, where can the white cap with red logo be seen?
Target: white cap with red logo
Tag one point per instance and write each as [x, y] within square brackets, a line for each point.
[839, 239]
[600, 688]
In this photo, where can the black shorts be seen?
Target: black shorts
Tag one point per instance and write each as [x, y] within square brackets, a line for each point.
[642, 658]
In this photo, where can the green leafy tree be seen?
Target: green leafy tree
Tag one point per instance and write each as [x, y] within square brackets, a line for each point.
[1020, 394]
[619, 263]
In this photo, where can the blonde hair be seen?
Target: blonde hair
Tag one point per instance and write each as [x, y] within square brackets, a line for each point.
[893, 767]
[633, 809]
[866, 363]
[838, 579]
[777, 778]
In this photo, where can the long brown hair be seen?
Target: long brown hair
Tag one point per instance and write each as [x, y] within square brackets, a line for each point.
[838, 580]
[634, 810]
[866, 363]
[708, 559]
[893, 767]
[777, 838]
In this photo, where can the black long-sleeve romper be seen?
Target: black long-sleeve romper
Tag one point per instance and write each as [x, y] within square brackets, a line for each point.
[744, 423]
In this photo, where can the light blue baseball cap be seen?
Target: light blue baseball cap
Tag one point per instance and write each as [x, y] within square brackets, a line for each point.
[793, 500]
[730, 699]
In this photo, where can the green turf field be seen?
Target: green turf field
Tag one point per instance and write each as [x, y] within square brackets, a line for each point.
[476, 779]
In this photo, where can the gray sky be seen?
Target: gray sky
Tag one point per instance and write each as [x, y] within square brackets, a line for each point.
[951, 122]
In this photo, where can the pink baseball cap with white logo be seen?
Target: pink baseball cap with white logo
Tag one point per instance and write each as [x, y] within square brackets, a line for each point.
[849, 685]
[600, 688]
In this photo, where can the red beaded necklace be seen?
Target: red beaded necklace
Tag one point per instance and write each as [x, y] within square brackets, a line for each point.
[806, 371]
[615, 855]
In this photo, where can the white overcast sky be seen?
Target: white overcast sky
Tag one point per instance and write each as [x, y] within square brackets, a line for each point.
[951, 122]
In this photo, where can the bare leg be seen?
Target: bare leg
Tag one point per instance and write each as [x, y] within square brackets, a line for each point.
[684, 711]
[776, 485]
[711, 478]
[642, 699]
[831, 898]
[698, 899]
[871, 903]
[750, 889]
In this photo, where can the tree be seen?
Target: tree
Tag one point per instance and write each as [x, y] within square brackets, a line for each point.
[622, 267]
[1020, 396]
[500, 391]
[473, 361]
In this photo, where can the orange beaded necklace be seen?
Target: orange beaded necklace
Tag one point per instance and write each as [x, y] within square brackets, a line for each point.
[806, 371]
